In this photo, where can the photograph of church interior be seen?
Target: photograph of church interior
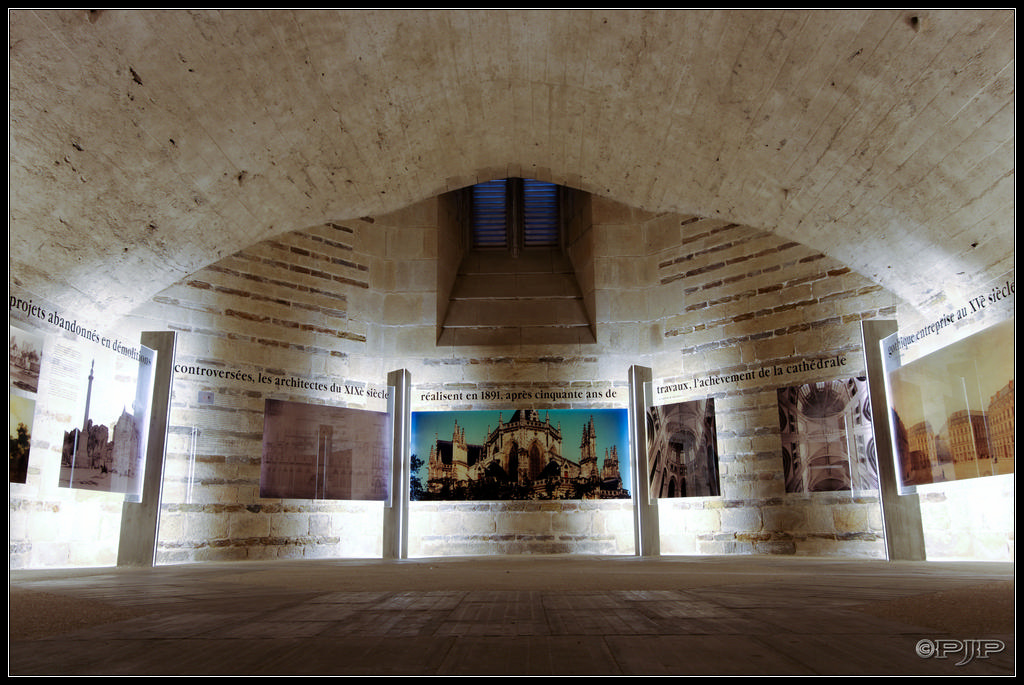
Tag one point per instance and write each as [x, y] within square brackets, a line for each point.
[526, 342]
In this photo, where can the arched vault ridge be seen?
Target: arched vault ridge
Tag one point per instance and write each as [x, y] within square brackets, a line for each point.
[146, 144]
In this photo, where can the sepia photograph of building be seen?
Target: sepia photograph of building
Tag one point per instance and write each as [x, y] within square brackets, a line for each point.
[828, 443]
[682, 449]
[105, 452]
[523, 454]
[953, 410]
[314, 451]
[25, 353]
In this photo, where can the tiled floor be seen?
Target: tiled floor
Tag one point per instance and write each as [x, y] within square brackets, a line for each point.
[517, 616]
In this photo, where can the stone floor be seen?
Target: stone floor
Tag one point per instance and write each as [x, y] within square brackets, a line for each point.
[559, 615]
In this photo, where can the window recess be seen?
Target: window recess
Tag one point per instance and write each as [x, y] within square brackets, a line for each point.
[514, 214]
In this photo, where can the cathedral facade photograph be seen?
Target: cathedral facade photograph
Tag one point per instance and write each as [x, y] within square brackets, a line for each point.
[523, 454]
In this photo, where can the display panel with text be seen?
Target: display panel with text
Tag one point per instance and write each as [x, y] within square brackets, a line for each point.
[953, 411]
[521, 454]
[313, 451]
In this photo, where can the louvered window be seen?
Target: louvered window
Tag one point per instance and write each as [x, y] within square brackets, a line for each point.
[490, 214]
[540, 214]
[515, 213]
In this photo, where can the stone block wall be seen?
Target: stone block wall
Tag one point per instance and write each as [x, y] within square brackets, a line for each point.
[691, 298]
[751, 308]
[579, 527]
[819, 525]
[277, 317]
[729, 310]
[50, 527]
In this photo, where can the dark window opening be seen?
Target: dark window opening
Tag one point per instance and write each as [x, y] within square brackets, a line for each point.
[540, 214]
[490, 215]
[516, 213]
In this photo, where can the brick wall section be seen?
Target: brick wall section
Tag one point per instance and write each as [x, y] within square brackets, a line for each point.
[716, 298]
[707, 297]
[749, 301]
[689, 297]
[279, 309]
[571, 527]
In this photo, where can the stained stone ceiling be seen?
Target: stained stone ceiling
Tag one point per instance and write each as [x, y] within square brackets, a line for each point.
[146, 144]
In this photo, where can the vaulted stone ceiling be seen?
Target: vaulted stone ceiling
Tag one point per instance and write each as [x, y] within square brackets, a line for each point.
[146, 144]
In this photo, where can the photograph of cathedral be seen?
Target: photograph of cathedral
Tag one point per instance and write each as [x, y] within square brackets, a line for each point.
[953, 410]
[682, 449]
[106, 451]
[315, 451]
[828, 442]
[524, 454]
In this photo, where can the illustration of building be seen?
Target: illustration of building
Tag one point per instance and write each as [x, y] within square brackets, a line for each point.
[969, 444]
[919, 454]
[24, 361]
[924, 443]
[322, 452]
[1001, 429]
